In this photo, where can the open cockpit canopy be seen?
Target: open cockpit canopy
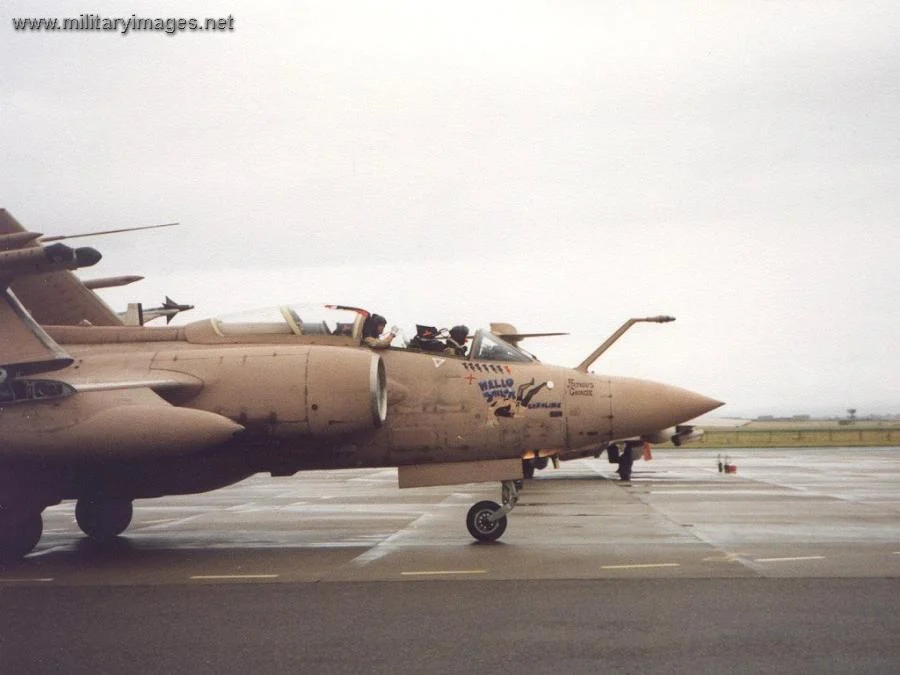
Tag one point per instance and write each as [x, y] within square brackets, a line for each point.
[319, 320]
[340, 324]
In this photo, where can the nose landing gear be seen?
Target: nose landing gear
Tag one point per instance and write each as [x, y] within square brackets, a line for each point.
[486, 520]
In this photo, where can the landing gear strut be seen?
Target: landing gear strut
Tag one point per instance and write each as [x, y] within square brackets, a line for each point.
[486, 520]
[528, 468]
[103, 519]
[625, 459]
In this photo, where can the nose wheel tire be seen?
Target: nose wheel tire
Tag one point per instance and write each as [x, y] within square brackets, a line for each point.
[480, 524]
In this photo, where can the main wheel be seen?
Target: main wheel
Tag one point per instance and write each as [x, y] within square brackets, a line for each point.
[479, 523]
[19, 533]
[540, 463]
[103, 519]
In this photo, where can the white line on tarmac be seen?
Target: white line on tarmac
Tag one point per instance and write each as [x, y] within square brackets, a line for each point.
[201, 577]
[638, 567]
[174, 523]
[805, 557]
[52, 549]
[727, 557]
[392, 543]
[439, 572]
[24, 581]
[247, 507]
[692, 492]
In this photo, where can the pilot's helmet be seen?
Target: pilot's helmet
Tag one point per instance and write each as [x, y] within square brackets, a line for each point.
[459, 334]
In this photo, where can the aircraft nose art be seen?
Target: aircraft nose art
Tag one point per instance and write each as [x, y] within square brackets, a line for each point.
[642, 406]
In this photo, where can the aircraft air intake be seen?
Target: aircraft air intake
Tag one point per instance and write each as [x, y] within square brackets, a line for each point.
[346, 391]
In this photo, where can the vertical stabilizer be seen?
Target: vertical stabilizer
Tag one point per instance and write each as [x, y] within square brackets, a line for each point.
[24, 346]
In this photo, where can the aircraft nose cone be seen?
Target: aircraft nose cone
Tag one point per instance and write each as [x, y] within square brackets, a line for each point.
[641, 406]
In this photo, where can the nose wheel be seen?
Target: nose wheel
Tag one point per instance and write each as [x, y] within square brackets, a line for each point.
[486, 521]
[480, 524]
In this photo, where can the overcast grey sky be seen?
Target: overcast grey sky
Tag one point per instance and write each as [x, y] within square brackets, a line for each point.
[557, 165]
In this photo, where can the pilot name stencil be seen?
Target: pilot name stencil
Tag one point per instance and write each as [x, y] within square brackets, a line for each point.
[576, 388]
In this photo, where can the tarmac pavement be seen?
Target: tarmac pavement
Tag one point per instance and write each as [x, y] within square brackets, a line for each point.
[793, 562]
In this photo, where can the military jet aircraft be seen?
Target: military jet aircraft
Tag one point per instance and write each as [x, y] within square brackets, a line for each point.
[102, 413]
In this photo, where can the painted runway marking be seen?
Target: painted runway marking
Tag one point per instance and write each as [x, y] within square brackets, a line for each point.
[638, 567]
[201, 577]
[52, 549]
[395, 541]
[727, 557]
[432, 573]
[692, 492]
[178, 522]
[25, 581]
[805, 557]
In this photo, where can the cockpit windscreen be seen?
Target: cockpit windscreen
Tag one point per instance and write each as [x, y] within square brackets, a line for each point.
[489, 347]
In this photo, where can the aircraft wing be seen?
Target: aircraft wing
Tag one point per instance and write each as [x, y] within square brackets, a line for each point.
[58, 297]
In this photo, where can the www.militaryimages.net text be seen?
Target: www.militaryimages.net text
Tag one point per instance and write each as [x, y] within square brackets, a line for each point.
[124, 25]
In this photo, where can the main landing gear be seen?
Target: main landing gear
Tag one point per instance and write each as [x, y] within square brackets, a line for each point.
[20, 531]
[625, 458]
[487, 520]
[103, 519]
[530, 465]
[21, 525]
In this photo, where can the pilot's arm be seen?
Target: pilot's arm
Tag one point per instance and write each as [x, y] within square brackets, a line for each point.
[454, 348]
[381, 342]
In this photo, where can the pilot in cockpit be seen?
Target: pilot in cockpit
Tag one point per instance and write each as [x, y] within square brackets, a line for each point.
[456, 342]
[345, 329]
[373, 327]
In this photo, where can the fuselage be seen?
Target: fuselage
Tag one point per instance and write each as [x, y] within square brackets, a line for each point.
[297, 403]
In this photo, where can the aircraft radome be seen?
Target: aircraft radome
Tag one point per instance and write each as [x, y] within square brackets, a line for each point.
[105, 413]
